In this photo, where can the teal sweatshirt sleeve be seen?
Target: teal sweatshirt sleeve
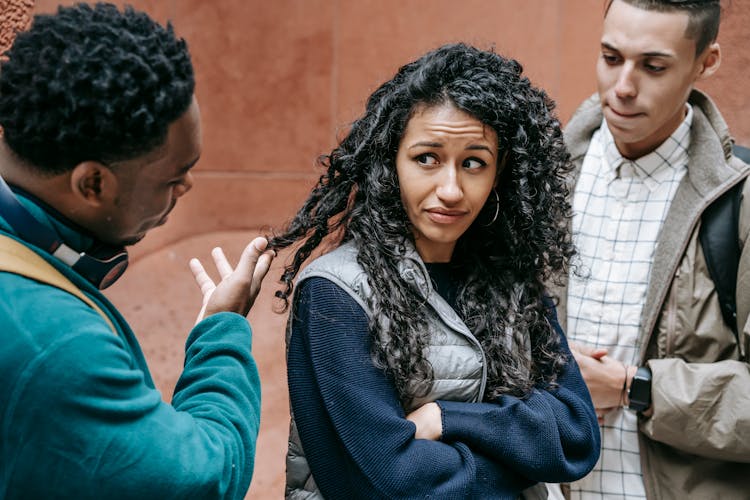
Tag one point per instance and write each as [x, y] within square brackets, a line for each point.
[80, 421]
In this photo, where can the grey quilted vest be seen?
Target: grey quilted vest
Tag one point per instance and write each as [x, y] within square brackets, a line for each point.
[456, 356]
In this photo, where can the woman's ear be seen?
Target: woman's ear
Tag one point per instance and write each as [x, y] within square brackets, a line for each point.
[93, 183]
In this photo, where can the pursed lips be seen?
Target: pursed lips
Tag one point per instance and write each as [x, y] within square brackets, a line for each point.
[444, 215]
[623, 114]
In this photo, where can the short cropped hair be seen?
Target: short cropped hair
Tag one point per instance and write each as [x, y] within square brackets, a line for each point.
[91, 82]
[704, 17]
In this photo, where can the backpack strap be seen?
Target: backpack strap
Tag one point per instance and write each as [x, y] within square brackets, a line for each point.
[18, 259]
[719, 237]
[741, 152]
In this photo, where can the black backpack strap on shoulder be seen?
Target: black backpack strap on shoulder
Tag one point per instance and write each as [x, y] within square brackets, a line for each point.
[742, 153]
[719, 237]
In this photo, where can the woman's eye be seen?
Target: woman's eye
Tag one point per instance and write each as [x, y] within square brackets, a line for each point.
[426, 159]
[472, 163]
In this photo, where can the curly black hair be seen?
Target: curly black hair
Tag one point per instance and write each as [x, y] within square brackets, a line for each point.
[502, 268]
[92, 83]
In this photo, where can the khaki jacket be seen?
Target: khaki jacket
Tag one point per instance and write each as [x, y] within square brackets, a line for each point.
[696, 444]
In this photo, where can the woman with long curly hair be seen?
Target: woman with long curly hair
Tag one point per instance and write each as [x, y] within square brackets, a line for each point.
[424, 358]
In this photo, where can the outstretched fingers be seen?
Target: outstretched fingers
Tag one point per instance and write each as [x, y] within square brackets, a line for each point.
[250, 256]
[221, 262]
[254, 264]
[239, 286]
[202, 279]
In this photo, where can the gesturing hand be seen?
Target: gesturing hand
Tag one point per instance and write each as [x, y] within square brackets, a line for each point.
[238, 288]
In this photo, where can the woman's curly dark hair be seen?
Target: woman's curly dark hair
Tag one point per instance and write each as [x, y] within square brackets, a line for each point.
[92, 83]
[502, 268]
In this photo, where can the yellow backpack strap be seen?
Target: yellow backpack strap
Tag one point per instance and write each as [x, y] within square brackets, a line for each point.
[18, 259]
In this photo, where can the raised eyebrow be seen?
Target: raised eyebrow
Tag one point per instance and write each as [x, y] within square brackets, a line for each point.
[480, 147]
[427, 144]
[473, 147]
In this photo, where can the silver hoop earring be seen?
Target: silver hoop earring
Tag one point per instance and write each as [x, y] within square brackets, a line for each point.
[497, 208]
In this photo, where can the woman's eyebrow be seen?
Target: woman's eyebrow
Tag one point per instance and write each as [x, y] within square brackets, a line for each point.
[426, 144]
[481, 147]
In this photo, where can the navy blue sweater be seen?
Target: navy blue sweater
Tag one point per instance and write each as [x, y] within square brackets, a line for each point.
[359, 444]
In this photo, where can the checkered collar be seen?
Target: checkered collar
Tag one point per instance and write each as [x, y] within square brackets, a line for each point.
[654, 167]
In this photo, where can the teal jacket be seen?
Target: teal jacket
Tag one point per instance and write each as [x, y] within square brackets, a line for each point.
[79, 414]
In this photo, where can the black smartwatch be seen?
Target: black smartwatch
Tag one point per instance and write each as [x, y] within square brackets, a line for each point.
[639, 396]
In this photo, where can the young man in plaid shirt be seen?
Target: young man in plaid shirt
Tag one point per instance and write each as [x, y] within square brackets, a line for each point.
[668, 376]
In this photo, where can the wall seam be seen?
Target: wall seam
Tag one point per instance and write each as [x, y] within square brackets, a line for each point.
[335, 35]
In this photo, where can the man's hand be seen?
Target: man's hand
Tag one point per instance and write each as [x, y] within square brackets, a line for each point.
[429, 421]
[239, 286]
[604, 377]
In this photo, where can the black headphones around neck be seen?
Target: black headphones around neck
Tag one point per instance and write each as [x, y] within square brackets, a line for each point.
[101, 271]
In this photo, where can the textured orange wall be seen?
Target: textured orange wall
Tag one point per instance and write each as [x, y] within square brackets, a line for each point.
[277, 81]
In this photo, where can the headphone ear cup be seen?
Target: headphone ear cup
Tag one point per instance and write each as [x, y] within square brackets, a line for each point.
[101, 266]
[102, 272]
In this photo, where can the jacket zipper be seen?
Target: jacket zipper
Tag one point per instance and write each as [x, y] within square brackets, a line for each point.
[672, 318]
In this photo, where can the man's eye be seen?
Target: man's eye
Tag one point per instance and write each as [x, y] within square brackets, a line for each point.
[654, 68]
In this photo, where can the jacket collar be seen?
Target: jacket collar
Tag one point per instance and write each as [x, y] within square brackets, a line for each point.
[710, 174]
[588, 118]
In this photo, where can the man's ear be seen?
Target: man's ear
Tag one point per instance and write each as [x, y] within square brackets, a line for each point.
[93, 183]
[709, 61]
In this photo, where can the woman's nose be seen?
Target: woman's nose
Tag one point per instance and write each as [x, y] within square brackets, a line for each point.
[449, 189]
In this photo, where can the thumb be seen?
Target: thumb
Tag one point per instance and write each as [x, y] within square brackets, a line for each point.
[249, 258]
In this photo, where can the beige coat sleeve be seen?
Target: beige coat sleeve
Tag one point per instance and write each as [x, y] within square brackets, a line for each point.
[701, 408]
[704, 408]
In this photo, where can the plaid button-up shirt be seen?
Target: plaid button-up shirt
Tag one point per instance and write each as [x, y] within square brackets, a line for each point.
[619, 206]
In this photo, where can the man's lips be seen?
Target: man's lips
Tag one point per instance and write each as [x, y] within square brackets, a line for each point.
[623, 114]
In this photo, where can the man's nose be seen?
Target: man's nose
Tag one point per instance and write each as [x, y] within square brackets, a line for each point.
[185, 186]
[626, 85]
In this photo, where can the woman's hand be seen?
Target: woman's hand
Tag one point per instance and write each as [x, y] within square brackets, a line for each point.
[238, 288]
[429, 421]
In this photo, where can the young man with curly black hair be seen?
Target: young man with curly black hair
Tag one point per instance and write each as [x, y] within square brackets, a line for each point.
[668, 375]
[100, 131]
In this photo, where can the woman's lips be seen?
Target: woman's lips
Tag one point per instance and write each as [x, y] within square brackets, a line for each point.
[441, 216]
